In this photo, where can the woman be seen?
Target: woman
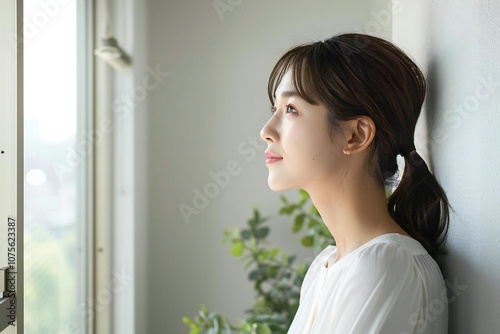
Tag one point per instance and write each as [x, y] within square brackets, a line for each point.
[343, 110]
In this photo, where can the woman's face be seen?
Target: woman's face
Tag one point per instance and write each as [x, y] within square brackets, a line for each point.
[298, 133]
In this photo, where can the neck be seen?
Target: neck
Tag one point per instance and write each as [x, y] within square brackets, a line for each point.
[354, 211]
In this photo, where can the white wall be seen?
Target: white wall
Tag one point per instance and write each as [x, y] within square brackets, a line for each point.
[457, 44]
[213, 101]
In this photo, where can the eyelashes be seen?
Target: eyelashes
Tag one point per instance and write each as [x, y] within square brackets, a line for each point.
[290, 109]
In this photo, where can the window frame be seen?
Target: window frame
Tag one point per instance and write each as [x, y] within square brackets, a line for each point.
[100, 185]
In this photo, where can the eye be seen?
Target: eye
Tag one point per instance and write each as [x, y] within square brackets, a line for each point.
[290, 109]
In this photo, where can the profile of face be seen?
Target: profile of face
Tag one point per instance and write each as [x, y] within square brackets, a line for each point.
[297, 134]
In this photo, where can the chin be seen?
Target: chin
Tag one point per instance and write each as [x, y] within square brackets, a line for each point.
[278, 185]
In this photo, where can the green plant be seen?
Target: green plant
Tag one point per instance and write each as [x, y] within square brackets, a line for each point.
[276, 278]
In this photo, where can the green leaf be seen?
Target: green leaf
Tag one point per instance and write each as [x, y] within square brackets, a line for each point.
[263, 256]
[271, 271]
[252, 244]
[288, 210]
[252, 222]
[262, 232]
[324, 231]
[301, 269]
[283, 199]
[313, 223]
[245, 234]
[314, 211]
[236, 232]
[188, 322]
[237, 249]
[256, 214]
[303, 194]
[298, 223]
[274, 252]
[263, 329]
[307, 241]
[254, 274]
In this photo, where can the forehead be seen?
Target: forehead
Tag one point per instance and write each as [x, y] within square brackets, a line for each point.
[286, 87]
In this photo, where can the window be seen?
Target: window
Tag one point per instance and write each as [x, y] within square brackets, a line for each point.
[57, 154]
[71, 280]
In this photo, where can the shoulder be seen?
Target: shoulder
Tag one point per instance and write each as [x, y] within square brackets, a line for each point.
[393, 258]
[381, 259]
[383, 285]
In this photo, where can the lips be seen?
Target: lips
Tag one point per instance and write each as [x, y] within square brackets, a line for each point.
[272, 157]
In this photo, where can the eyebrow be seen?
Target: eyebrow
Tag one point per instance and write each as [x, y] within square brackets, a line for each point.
[288, 93]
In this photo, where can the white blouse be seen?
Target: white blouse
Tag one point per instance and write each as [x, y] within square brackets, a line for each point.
[389, 285]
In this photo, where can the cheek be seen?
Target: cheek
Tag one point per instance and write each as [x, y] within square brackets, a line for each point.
[308, 143]
[314, 154]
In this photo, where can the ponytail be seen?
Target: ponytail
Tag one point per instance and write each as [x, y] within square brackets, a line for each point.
[420, 206]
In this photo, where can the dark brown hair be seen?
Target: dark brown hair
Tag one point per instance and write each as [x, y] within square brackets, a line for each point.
[356, 75]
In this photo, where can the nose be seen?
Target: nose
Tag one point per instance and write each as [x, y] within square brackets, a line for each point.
[268, 133]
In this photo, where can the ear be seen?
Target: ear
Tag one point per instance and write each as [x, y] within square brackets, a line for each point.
[359, 134]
